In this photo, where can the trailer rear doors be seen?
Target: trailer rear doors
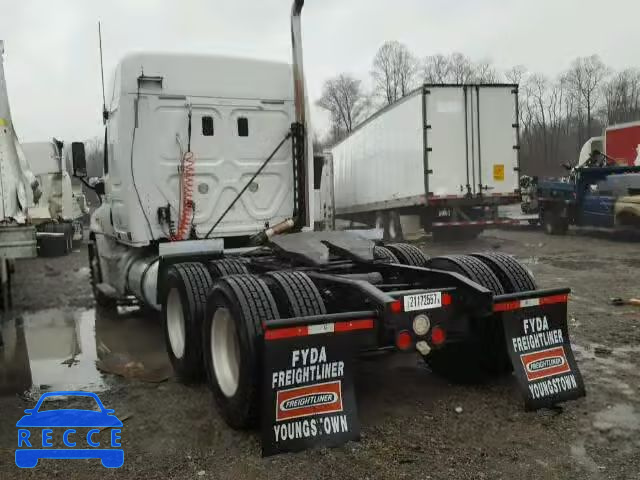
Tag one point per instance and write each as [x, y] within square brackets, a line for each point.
[471, 139]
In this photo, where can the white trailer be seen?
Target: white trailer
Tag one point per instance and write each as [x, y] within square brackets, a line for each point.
[448, 153]
[62, 205]
[19, 189]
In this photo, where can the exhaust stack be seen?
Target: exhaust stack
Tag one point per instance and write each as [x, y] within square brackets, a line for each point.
[298, 69]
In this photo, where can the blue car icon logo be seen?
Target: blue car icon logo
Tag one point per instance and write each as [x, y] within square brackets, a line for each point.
[34, 444]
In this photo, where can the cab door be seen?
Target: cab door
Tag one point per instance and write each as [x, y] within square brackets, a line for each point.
[598, 205]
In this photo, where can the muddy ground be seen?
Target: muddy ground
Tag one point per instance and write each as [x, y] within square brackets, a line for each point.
[409, 421]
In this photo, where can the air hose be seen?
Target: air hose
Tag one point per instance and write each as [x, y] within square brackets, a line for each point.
[187, 170]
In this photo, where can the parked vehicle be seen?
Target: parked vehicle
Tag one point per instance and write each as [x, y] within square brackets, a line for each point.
[59, 211]
[618, 145]
[208, 217]
[448, 153]
[607, 197]
[19, 189]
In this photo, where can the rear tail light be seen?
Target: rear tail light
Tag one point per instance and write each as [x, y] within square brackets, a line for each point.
[396, 306]
[446, 299]
[438, 335]
[404, 340]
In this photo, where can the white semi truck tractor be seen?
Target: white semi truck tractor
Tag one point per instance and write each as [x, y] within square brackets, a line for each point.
[19, 191]
[207, 217]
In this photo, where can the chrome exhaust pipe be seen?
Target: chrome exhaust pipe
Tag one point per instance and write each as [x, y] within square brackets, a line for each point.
[298, 69]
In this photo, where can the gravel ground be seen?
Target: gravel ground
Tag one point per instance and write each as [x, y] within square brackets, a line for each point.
[409, 421]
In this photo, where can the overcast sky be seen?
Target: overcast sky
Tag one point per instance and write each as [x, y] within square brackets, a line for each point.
[53, 72]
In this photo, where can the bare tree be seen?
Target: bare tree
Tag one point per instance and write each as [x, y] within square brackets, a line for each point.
[622, 97]
[394, 70]
[343, 97]
[484, 72]
[460, 68]
[436, 69]
[586, 76]
[516, 74]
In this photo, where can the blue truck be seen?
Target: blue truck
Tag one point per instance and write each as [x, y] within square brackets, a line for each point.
[591, 196]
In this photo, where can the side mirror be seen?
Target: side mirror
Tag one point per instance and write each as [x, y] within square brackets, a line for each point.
[29, 411]
[567, 166]
[79, 160]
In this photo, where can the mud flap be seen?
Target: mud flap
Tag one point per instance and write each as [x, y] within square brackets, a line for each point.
[535, 327]
[308, 397]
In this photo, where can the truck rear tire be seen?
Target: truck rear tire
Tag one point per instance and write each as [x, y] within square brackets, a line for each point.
[227, 266]
[554, 224]
[383, 253]
[408, 254]
[513, 276]
[295, 294]
[232, 333]
[484, 356]
[183, 309]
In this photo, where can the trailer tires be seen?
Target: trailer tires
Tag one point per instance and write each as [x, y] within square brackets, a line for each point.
[227, 266]
[485, 356]
[513, 276]
[383, 253]
[232, 333]
[295, 294]
[184, 304]
[408, 254]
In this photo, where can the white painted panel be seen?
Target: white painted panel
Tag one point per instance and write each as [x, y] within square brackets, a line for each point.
[447, 159]
[382, 160]
[498, 136]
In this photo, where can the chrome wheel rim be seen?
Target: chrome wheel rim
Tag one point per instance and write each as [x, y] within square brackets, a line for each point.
[175, 323]
[225, 351]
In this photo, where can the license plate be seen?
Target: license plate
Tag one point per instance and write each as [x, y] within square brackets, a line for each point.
[422, 301]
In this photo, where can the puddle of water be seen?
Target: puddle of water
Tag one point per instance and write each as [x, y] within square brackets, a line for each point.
[579, 453]
[614, 360]
[620, 418]
[60, 349]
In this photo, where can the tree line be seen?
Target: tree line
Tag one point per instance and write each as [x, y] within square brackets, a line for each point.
[557, 114]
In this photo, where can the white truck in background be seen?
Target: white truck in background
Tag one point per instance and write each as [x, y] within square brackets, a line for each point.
[59, 211]
[448, 153]
[19, 190]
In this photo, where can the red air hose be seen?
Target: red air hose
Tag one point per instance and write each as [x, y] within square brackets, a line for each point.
[186, 194]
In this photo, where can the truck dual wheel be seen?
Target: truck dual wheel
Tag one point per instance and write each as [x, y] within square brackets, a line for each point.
[96, 276]
[295, 294]
[183, 309]
[554, 224]
[232, 333]
[227, 266]
[485, 356]
[513, 276]
[408, 254]
[383, 253]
